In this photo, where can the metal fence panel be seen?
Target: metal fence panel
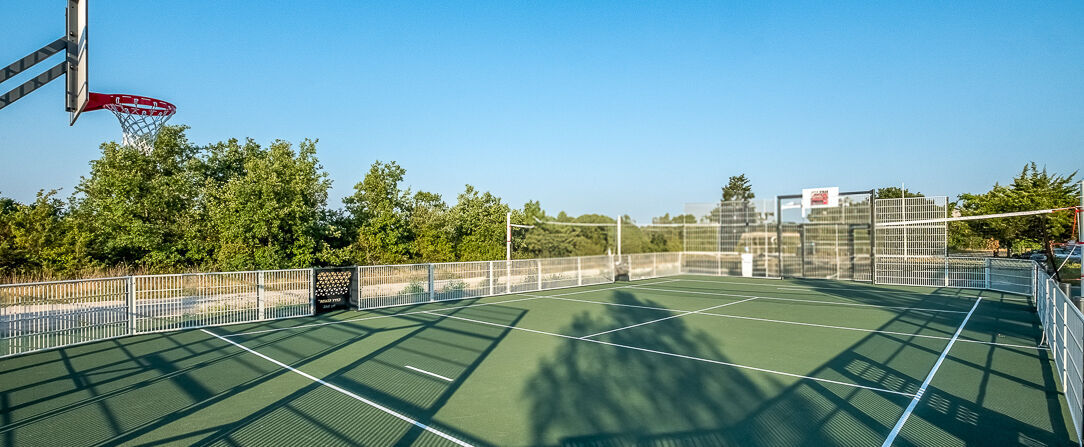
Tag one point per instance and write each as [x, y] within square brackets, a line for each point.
[392, 285]
[47, 315]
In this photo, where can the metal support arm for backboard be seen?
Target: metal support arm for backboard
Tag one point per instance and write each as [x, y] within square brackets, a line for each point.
[25, 63]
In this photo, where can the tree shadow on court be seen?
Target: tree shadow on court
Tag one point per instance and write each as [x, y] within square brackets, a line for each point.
[592, 394]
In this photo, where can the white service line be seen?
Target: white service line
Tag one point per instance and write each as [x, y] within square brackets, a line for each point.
[776, 298]
[348, 393]
[872, 290]
[667, 318]
[688, 357]
[800, 323]
[929, 378]
[428, 373]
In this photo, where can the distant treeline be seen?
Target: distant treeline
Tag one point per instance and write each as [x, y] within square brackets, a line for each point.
[238, 205]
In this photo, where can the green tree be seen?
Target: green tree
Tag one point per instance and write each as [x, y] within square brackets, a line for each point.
[738, 188]
[894, 192]
[269, 215]
[381, 214]
[1032, 189]
[433, 228]
[135, 208]
[479, 223]
[33, 237]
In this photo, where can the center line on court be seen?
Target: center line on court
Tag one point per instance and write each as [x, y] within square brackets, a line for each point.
[428, 373]
[667, 318]
[929, 378]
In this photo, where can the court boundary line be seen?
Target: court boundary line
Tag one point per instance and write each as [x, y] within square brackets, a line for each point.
[428, 373]
[802, 323]
[834, 303]
[682, 314]
[687, 357]
[525, 294]
[929, 378]
[345, 392]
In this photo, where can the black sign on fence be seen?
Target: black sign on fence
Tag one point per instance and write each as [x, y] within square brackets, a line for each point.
[331, 290]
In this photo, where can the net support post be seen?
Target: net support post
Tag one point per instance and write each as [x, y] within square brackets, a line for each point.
[579, 271]
[130, 299]
[539, 263]
[432, 290]
[260, 295]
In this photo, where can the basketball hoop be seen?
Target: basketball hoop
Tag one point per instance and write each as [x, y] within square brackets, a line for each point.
[140, 117]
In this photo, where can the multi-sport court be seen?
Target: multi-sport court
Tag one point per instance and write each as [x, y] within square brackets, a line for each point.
[683, 360]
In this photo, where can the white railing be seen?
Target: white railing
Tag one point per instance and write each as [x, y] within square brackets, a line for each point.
[398, 285]
[1063, 329]
[39, 316]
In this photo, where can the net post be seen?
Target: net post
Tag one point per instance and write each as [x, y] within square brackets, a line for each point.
[432, 291]
[491, 279]
[260, 295]
[579, 271]
[539, 263]
[130, 298]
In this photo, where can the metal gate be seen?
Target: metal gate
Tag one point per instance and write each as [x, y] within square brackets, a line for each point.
[331, 288]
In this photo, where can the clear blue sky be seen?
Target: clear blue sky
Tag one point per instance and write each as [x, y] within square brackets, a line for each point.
[608, 107]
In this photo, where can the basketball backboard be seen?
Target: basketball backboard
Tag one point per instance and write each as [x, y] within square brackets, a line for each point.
[76, 66]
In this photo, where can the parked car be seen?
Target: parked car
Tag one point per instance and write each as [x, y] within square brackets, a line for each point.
[1037, 257]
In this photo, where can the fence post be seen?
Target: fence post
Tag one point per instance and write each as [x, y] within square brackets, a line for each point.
[260, 287]
[579, 271]
[130, 298]
[539, 274]
[312, 291]
[946, 272]
[1064, 344]
[718, 264]
[654, 265]
[986, 273]
[491, 279]
[432, 290]
[357, 275]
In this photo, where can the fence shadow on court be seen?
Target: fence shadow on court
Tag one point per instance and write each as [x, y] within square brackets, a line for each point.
[178, 376]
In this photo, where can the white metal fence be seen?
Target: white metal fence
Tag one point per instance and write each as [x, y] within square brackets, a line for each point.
[397, 285]
[40, 316]
[1063, 326]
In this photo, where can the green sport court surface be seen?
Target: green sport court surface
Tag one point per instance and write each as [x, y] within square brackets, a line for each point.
[685, 360]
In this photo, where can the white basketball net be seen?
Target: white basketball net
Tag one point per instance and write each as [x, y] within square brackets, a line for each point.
[140, 127]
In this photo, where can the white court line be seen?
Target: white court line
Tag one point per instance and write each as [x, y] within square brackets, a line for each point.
[348, 393]
[800, 323]
[667, 318]
[528, 297]
[776, 298]
[688, 357]
[428, 373]
[929, 378]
